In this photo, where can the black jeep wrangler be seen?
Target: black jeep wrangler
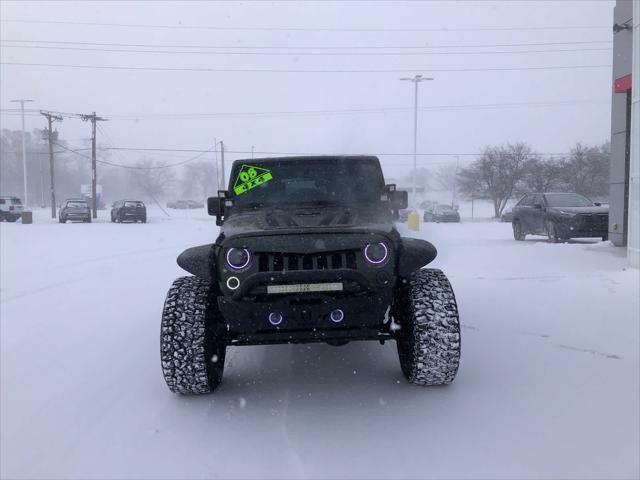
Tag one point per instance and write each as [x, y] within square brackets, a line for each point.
[308, 252]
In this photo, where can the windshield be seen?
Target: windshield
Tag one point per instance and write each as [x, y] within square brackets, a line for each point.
[567, 200]
[284, 182]
[444, 208]
[77, 205]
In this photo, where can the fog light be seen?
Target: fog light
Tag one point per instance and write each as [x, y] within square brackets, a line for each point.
[336, 315]
[275, 318]
[233, 283]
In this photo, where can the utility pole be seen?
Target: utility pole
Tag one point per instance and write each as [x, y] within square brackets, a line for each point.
[93, 118]
[222, 162]
[215, 150]
[416, 80]
[50, 118]
[455, 182]
[22, 101]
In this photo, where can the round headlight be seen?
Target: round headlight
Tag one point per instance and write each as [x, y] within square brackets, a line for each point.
[238, 258]
[376, 253]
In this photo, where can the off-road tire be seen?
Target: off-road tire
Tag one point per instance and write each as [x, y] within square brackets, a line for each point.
[518, 231]
[192, 343]
[429, 336]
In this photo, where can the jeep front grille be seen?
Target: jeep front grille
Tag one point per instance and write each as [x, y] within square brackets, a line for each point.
[279, 262]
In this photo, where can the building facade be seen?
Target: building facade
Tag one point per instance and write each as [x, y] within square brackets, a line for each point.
[624, 194]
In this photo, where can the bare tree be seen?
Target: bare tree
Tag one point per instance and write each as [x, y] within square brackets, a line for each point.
[496, 174]
[542, 175]
[420, 176]
[153, 178]
[446, 177]
[199, 180]
[586, 170]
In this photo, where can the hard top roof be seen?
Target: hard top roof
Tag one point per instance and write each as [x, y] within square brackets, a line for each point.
[305, 158]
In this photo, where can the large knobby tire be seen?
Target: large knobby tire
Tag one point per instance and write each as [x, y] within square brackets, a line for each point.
[192, 343]
[518, 231]
[429, 336]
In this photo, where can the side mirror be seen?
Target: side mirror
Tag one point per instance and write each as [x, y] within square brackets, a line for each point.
[398, 200]
[215, 206]
[597, 204]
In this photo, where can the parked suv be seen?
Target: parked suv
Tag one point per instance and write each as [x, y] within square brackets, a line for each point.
[308, 252]
[10, 209]
[560, 216]
[75, 210]
[129, 211]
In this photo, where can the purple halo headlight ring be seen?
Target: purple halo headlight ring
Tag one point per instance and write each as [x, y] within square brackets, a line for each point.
[275, 318]
[238, 258]
[376, 253]
[336, 315]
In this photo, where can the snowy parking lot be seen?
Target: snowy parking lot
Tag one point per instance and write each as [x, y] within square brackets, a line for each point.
[548, 385]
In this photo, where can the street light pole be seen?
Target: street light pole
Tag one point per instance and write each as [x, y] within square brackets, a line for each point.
[22, 101]
[416, 80]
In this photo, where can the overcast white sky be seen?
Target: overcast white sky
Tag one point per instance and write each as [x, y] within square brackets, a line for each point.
[122, 94]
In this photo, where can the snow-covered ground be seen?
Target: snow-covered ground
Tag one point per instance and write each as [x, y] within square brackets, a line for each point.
[548, 385]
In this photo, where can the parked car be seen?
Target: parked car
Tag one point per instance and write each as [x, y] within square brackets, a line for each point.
[427, 204]
[292, 265]
[10, 209]
[129, 211]
[74, 210]
[403, 215]
[507, 216]
[441, 213]
[560, 216]
[185, 204]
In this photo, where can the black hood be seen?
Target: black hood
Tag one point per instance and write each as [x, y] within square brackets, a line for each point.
[591, 209]
[306, 219]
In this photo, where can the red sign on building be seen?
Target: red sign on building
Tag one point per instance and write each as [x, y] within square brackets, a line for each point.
[623, 84]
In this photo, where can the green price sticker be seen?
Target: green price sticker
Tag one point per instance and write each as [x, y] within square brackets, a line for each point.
[250, 177]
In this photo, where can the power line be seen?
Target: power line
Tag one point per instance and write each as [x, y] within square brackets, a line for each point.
[303, 54]
[314, 29]
[355, 111]
[247, 152]
[274, 70]
[382, 110]
[306, 47]
[135, 167]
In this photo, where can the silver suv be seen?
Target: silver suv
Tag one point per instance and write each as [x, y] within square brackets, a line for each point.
[10, 209]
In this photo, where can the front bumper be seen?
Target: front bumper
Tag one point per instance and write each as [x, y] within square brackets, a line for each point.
[307, 318]
[583, 225]
[77, 216]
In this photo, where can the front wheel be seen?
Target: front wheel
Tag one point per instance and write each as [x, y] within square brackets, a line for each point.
[192, 342]
[429, 336]
[518, 231]
[552, 232]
